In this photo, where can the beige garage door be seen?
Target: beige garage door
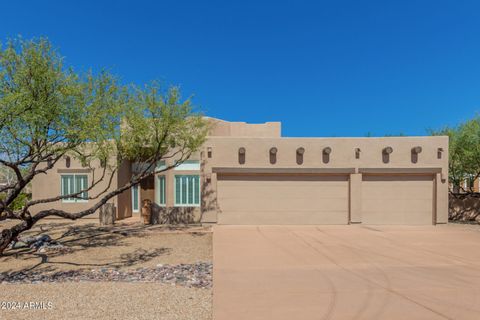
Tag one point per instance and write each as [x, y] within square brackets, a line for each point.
[282, 199]
[397, 200]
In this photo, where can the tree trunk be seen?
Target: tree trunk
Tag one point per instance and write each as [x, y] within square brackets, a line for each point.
[107, 214]
[5, 238]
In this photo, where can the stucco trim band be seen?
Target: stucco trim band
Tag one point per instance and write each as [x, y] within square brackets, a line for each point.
[284, 170]
[400, 170]
[79, 170]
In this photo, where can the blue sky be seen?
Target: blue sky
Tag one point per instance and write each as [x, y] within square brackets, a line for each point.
[323, 68]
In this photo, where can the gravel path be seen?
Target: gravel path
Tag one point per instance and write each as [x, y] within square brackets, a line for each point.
[107, 300]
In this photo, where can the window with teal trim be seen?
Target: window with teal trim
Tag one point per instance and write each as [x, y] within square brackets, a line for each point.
[161, 190]
[187, 190]
[72, 184]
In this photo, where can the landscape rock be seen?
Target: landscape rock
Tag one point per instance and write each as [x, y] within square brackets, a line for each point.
[197, 275]
[19, 245]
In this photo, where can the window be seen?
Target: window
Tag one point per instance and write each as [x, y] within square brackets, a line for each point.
[161, 165]
[187, 190]
[189, 165]
[73, 183]
[135, 198]
[161, 190]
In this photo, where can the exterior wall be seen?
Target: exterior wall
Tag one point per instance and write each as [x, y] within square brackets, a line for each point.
[243, 129]
[221, 152]
[49, 186]
[169, 212]
[342, 159]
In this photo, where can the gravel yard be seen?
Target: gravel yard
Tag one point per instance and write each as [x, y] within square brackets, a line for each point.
[108, 300]
[124, 272]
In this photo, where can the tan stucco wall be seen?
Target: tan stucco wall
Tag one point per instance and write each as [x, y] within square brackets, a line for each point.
[48, 185]
[225, 156]
[257, 140]
[243, 129]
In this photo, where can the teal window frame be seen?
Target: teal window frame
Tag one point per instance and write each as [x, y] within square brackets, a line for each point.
[188, 165]
[187, 190]
[73, 183]
[161, 190]
[136, 196]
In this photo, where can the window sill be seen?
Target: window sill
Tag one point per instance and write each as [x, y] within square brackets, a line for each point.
[187, 205]
[78, 201]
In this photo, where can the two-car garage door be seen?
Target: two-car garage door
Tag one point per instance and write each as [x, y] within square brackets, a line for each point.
[323, 199]
[282, 199]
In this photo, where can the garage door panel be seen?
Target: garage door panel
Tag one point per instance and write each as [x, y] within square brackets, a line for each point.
[383, 205]
[280, 192]
[288, 204]
[282, 218]
[397, 200]
[283, 199]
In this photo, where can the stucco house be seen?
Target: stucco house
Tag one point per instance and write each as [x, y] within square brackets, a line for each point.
[250, 174]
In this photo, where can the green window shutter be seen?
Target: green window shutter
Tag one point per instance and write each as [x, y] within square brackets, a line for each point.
[184, 190]
[85, 186]
[82, 184]
[71, 186]
[187, 190]
[161, 190]
[190, 189]
[135, 206]
[178, 186]
[196, 189]
[65, 185]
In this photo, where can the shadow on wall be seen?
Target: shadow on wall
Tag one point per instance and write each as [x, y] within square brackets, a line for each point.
[187, 215]
[464, 207]
[173, 215]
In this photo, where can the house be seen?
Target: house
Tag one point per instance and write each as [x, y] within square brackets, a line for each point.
[250, 174]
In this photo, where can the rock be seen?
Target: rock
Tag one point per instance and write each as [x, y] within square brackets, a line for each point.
[19, 245]
[198, 275]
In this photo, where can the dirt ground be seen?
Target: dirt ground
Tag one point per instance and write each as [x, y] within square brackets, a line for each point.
[128, 245]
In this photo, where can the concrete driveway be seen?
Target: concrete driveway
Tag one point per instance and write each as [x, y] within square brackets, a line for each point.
[346, 272]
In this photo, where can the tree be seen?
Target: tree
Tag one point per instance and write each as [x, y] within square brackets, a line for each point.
[464, 153]
[48, 112]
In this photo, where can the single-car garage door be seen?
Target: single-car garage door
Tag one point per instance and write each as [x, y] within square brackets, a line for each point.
[401, 199]
[282, 199]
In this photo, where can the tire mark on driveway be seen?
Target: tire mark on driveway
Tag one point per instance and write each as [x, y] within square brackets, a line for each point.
[331, 306]
[399, 294]
[386, 297]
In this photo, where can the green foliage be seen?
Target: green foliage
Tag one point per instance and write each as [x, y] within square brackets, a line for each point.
[20, 201]
[464, 150]
[48, 110]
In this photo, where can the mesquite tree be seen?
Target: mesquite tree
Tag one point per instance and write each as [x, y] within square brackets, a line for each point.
[49, 112]
[464, 153]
